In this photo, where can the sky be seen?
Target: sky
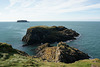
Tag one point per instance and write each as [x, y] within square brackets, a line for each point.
[50, 10]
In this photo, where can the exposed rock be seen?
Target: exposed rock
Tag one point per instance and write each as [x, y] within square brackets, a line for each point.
[6, 48]
[48, 53]
[42, 47]
[65, 53]
[44, 34]
[61, 53]
[13, 59]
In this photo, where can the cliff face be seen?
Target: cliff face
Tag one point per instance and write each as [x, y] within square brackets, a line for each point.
[45, 34]
[61, 53]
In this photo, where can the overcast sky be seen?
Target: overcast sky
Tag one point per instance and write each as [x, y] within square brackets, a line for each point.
[50, 10]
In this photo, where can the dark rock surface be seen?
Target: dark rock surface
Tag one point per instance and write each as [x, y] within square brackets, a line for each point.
[61, 53]
[45, 34]
[22, 21]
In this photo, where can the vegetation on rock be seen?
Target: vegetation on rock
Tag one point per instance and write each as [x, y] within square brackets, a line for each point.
[6, 48]
[10, 57]
[21, 59]
[61, 53]
[45, 34]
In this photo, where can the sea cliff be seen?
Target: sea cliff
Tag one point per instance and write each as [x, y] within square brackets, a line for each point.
[44, 34]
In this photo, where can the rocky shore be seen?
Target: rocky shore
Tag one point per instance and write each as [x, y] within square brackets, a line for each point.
[6, 48]
[47, 35]
[44, 34]
[10, 57]
[60, 53]
[47, 55]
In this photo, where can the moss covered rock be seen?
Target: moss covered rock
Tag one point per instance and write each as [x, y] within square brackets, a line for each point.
[44, 34]
[61, 53]
[16, 59]
[10, 57]
[6, 48]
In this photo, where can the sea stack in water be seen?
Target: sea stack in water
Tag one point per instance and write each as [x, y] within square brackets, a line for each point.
[61, 53]
[22, 21]
[45, 34]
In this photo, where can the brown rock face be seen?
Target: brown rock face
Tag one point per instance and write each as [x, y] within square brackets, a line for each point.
[61, 53]
[45, 34]
[42, 47]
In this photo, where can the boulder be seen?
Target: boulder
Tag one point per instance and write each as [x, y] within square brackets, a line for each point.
[44, 34]
[61, 53]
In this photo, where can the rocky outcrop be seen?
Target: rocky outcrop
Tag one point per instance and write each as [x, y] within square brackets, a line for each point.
[45, 34]
[61, 53]
[42, 47]
[6, 48]
[12, 58]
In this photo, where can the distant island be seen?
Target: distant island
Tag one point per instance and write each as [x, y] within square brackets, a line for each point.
[22, 21]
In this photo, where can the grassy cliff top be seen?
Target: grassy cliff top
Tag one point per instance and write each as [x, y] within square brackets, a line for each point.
[45, 27]
[17, 58]
[39, 27]
[21, 61]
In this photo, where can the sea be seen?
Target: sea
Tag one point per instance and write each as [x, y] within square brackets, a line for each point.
[88, 41]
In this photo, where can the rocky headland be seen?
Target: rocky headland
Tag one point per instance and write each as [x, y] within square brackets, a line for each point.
[6, 48]
[44, 34]
[60, 53]
[10, 57]
[47, 35]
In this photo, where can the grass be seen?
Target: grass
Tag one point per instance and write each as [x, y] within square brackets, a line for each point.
[13, 59]
[46, 27]
[17, 60]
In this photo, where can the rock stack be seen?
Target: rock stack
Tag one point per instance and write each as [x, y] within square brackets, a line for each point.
[44, 34]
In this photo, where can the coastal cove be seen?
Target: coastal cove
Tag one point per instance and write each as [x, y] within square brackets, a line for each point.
[88, 42]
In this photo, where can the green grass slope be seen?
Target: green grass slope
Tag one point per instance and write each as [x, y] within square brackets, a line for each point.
[10, 57]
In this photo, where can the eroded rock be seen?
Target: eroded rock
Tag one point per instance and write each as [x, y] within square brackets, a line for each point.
[61, 53]
[44, 34]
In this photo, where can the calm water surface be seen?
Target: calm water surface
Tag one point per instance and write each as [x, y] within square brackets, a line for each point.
[88, 42]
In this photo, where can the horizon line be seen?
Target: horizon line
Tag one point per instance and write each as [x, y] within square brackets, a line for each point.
[54, 20]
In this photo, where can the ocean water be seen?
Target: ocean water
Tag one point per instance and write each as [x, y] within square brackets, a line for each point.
[88, 41]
